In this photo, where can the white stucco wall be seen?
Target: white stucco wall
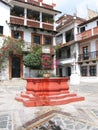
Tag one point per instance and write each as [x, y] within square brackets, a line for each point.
[4, 74]
[91, 25]
[5, 18]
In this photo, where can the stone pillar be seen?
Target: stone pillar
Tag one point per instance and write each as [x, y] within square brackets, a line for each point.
[64, 38]
[25, 16]
[40, 19]
[75, 76]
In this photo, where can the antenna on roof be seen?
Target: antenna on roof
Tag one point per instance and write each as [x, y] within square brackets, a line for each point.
[75, 12]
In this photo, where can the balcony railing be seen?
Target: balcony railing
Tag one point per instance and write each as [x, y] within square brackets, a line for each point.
[87, 34]
[69, 60]
[33, 23]
[64, 57]
[88, 56]
[84, 35]
[48, 26]
[17, 20]
[30, 23]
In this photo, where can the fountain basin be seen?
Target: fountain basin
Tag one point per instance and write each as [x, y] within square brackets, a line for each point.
[47, 92]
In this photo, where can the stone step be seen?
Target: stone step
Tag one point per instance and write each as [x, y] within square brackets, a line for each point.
[30, 103]
[56, 96]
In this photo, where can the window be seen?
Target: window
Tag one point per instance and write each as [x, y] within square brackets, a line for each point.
[1, 29]
[85, 53]
[84, 70]
[48, 40]
[82, 29]
[36, 39]
[92, 70]
[17, 34]
[70, 35]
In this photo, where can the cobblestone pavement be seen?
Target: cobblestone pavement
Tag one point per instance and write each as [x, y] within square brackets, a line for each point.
[74, 116]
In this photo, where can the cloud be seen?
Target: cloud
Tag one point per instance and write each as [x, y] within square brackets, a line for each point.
[84, 5]
[70, 6]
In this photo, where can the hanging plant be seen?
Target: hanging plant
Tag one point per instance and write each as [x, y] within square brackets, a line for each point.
[13, 44]
[9, 45]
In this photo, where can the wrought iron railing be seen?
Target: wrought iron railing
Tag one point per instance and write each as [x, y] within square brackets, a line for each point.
[88, 56]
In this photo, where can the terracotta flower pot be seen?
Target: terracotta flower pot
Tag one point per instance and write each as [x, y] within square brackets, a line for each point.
[47, 75]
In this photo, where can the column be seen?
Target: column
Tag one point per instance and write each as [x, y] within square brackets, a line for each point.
[75, 32]
[40, 19]
[25, 16]
[64, 38]
[54, 24]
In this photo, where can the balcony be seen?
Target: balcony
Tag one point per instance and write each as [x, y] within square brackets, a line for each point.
[63, 61]
[27, 47]
[30, 23]
[16, 20]
[33, 23]
[47, 26]
[87, 34]
[84, 35]
[88, 56]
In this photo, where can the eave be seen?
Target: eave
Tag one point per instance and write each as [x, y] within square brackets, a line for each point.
[35, 7]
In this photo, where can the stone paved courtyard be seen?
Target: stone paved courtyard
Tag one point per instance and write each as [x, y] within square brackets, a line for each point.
[74, 116]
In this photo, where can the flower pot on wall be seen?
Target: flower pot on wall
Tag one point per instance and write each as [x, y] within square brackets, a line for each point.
[47, 75]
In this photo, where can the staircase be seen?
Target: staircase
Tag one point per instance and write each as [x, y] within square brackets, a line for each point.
[30, 101]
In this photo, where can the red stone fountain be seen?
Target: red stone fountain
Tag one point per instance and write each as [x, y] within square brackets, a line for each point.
[47, 92]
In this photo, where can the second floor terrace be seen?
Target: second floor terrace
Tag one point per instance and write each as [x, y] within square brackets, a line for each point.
[87, 34]
[32, 15]
[32, 19]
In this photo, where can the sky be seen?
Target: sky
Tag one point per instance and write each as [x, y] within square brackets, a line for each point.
[73, 6]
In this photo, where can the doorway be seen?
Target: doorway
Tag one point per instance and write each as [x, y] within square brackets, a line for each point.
[16, 67]
[68, 71]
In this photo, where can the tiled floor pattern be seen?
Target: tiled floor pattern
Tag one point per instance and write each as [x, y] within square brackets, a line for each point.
[57, 120]
[95, 112]
[53, 120]
[6, 121]
[11, 115]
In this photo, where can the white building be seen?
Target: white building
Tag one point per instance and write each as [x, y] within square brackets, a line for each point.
[31, 20]
[78, 53]
[66, 39]
[87, 39]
